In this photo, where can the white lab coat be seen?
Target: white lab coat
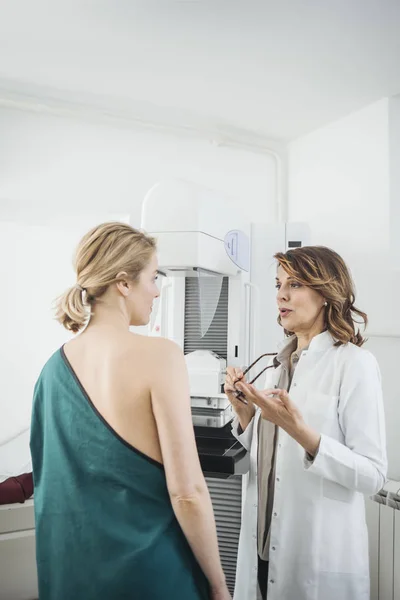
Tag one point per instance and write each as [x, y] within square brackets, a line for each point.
[319, 540]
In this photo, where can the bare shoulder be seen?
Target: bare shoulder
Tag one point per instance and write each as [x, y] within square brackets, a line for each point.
[164, 346]
[158, 349]
[168, 376]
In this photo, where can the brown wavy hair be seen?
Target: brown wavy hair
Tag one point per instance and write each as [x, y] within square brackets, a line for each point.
[323, 270]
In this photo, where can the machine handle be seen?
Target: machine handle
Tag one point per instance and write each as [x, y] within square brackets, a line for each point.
[251, 331]
[247, 290]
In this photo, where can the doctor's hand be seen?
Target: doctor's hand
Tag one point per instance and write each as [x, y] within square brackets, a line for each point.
[277, 407]
[245, 412]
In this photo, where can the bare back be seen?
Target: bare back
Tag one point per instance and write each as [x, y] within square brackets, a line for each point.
[140, 387]
[116, 369]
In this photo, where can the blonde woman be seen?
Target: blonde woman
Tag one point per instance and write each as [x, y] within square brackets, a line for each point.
[316, 438]
[121, 505]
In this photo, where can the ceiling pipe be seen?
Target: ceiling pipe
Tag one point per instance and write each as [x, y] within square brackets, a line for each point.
[281, 169]
[244, 141]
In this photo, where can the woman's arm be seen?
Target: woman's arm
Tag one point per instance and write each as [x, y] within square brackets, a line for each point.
[186, 484]
[359, 464]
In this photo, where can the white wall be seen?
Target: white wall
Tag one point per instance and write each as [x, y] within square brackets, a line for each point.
[60, 176]
[341, 183]
[35, 267]
[62, 165]
[394, 169]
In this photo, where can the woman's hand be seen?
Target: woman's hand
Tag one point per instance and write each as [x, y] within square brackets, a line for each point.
[245, 412]
[277, 407]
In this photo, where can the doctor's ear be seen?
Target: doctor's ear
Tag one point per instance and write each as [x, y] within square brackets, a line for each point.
[123, 285]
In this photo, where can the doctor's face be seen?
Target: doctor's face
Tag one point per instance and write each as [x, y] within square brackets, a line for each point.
[301, 309]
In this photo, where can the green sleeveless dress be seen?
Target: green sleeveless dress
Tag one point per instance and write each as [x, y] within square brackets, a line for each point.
[105, 527]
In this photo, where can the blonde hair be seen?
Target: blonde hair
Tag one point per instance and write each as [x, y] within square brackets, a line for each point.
[105, 251]
[323, 270]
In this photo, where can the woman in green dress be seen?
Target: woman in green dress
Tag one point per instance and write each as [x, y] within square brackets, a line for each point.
[121, 505]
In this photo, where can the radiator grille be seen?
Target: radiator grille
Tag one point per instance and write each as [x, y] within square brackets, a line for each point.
[216, 338]
[384, 547]
[226, 496]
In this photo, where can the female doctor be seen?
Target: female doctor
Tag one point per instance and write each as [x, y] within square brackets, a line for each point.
[316, 451]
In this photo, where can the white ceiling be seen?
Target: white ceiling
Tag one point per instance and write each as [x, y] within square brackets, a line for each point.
[276, 69]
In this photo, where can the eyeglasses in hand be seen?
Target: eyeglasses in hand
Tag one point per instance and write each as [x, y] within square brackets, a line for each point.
[238, 394]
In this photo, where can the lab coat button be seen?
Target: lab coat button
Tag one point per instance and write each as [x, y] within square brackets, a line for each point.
[275, 514]
[273, 548]
[295, 385]
[278, 479]
[272, 580]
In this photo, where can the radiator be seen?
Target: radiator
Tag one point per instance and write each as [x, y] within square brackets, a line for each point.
[226, 496]
[383, 518]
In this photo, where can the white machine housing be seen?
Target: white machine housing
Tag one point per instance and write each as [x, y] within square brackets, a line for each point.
[190, 223]
[206, 371]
